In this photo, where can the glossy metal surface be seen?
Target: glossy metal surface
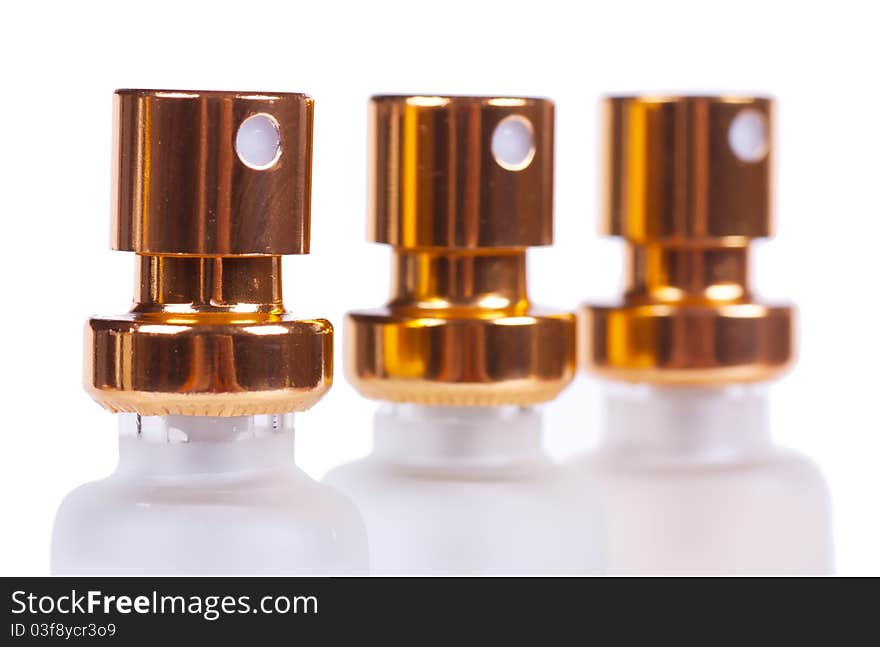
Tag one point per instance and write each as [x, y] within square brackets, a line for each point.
[434, 181]
[208, 333]
[459, 328]
[180, 187]
[671, 174]
[688, 206]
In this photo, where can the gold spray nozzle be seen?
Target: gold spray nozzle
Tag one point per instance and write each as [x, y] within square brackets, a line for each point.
[459, 187]
[688, 186]
[210, 189]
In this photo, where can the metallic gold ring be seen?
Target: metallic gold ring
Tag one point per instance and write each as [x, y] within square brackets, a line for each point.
[142, 364]
[689, 345]
[499, 359]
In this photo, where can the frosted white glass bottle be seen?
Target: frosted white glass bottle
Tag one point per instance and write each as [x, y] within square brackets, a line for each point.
[694, 485]
[691, 480]
[458, 482]
[207, 495]
[470, 491]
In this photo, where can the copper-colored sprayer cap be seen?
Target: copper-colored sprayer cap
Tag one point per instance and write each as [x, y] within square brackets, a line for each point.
[459, 187]
[209, 190]
[688, 186]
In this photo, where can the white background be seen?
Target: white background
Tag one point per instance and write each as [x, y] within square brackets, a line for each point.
[61, 62]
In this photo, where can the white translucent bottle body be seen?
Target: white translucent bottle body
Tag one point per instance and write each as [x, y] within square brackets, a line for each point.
[203, 496]
[692, 484]
[469, 491]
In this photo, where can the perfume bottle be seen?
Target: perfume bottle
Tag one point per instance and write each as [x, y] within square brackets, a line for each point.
[208, 368]
[457, 481]
[691, 479]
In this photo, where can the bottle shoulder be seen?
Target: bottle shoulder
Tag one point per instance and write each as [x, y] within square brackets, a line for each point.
[475, 521]
[773, 461]
[282, 494]
[378, 470]
[269, 524]
[757, 514]
[778, 479]
[376, 483]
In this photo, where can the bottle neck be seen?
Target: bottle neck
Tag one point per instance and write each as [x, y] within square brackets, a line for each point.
[445, 437]
[459, 280]
[683, 274]
[688, 424]
[181, 286]
[190, 445]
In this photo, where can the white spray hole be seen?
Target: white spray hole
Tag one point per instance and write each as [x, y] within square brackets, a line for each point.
[258, 141]
[748, 137]
[513, 143]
